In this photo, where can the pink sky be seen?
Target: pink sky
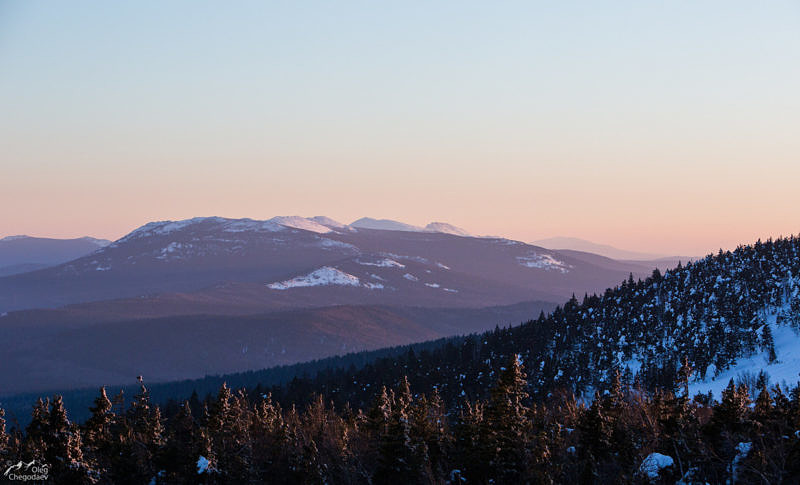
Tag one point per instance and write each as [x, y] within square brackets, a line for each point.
[666, 128]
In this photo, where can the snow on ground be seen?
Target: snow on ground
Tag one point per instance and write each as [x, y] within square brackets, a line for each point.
[783, 371]
[383, 263]
[742, 450]
[331, 243]
[410, 277]
[442, 266]
[373, 286]
[432, 285]
[324, 276]
[171, 249]
[298, 222]
[418, 259]
[543, 261]
[450, 290]
[202, 465]
[654, 463]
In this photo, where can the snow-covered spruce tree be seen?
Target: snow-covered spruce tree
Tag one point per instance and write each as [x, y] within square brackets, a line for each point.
[508, 423]
[140, 441]
[402, 457]
[97, 433]
[50, 438]
[183, 448]
[230, 441]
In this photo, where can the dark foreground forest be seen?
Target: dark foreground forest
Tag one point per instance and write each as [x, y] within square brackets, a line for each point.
[626, 435]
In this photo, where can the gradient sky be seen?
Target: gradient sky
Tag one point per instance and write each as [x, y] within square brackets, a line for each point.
[669, 127]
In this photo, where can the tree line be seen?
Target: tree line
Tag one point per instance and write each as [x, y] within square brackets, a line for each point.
[623, 435]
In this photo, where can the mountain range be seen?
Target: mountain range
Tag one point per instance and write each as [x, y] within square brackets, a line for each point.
[21, 254]
[577, 244]
[293, 289]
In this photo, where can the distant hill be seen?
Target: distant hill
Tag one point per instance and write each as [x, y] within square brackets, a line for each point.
[576, 244]
[20, 254]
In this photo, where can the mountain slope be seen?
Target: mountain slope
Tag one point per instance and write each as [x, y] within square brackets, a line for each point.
[383, 225]
[577, 244]
[212, 258]
[76, 353]
[446, 228]
[734, 312]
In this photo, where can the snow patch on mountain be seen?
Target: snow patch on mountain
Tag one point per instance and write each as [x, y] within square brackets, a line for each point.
[383, 263]
[442, 266]
[325, 276]
[327, 222]
[332, 243]
[222, 224]
[160, 228]
[14, 238]
[298, 222]
[543, 261]
[446, 228]
[172, 249]
[410, 277]
[432, 285]
[384, 225]
[418, 259]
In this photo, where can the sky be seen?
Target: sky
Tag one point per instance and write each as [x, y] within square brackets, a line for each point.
[665, 127]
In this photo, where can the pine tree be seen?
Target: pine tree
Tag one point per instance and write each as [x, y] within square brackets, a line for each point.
[5, 441]
[400, 458]
[472, 448]
[768, 344]
[183, 447]
[142, 439]
[63, 452]
[36, 433]
[507, 423]
[595, 438]
[684, 375]
[97, 432]
[98, 427]
[762, 411]
[228, 425]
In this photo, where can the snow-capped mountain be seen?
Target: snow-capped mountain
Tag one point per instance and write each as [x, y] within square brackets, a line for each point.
[384, 225]
[390, 225]
[261, 287]
[255, 257]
